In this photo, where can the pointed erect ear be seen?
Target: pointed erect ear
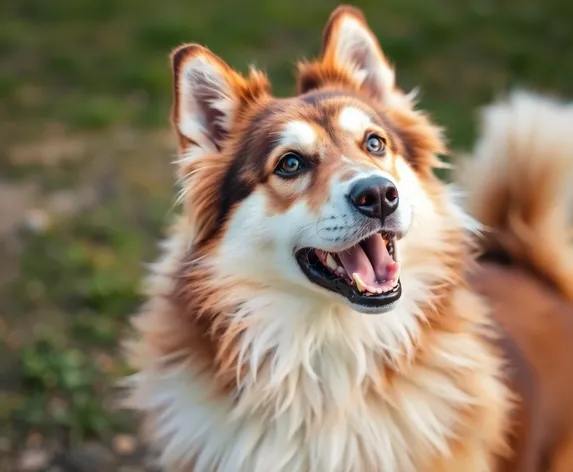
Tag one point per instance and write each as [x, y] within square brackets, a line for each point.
[350, 47]
[208, 95]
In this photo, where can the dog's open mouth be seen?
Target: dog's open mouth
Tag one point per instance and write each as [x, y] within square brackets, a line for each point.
[367, 273]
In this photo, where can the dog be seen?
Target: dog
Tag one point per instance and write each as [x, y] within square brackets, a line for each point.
[325, 303]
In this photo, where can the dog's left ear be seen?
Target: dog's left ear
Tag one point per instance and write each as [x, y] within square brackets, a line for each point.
[351, 55]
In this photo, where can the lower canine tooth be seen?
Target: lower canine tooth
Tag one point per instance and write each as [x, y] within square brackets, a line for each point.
[359, 284]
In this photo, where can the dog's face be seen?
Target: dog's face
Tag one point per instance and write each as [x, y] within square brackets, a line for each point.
[315, 193]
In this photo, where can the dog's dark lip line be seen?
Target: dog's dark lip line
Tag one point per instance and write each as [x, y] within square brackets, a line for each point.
[320, 276]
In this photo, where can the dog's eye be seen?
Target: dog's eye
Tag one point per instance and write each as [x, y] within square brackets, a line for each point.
[375, 144]
[290, 164]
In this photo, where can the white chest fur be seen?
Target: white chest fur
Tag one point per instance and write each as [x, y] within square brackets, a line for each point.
[320, 404]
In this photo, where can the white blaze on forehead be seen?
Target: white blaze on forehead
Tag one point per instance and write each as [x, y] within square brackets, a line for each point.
[298, 134]
[353, 120]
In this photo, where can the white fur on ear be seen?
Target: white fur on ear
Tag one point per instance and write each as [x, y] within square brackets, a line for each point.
[205, 101]
[351, 44]
[357, 45]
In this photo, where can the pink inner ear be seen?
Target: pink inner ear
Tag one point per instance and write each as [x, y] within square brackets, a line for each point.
[372, 71]
[213, 119]
[359, 56]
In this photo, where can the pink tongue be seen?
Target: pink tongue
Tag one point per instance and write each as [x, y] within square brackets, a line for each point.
[370, 260]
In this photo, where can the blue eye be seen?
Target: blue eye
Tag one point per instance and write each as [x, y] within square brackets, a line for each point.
[290, 164]
[375, 145]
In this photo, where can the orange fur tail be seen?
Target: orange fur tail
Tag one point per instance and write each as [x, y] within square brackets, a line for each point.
[519, 185]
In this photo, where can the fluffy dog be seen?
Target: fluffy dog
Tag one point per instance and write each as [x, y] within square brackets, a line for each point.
[320, 305]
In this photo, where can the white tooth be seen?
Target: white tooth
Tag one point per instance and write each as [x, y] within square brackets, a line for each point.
[340, 270]
[359, 284]
[330, 262]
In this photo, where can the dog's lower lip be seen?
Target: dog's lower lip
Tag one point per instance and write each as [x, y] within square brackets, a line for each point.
[373, 296]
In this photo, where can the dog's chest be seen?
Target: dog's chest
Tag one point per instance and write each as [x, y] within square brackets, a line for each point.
[338, 426]
[326, 421]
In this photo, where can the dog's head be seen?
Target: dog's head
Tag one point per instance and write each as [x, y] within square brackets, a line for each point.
[329, 193]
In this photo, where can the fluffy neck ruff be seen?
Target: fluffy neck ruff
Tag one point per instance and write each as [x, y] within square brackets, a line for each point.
[235, 377]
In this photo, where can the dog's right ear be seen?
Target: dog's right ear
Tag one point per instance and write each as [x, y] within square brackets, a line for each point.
[208, 96]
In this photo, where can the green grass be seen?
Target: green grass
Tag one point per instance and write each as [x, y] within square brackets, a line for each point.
[103, 63]
[84, 101]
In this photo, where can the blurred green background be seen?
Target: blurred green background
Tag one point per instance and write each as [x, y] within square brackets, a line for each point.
[86, 183]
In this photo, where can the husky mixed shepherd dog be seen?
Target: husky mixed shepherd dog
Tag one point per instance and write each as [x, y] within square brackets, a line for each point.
[326, 304]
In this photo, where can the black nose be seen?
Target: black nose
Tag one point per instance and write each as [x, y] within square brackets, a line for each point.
[375, 197]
